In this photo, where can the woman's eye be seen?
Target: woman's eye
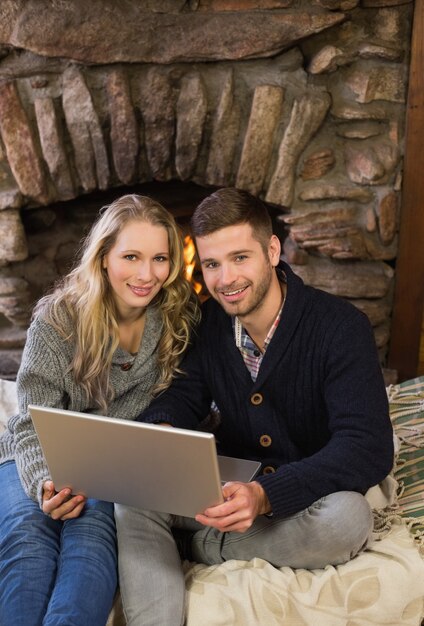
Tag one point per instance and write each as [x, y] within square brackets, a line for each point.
[161, 259]
[130, 257]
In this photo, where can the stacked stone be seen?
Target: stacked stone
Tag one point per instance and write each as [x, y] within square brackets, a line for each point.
[302, 108]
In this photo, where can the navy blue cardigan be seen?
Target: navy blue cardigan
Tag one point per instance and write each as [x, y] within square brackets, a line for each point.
[321, 420]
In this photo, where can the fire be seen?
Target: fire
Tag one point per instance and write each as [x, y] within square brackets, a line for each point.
[189, 254]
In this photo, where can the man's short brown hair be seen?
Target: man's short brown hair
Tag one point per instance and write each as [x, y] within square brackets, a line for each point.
[229, 206]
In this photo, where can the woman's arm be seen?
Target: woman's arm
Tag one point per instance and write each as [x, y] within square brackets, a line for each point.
[41, 380]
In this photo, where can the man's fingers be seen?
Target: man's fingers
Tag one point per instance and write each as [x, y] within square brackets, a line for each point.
[226, 524]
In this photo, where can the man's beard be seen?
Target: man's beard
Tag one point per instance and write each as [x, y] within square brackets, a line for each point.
[254, 302]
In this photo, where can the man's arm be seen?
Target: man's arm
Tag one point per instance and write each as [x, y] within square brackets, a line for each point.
[187, 401]
[359, 451]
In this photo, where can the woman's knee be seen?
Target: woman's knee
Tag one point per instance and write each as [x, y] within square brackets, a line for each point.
[24, 526]
[93, 530]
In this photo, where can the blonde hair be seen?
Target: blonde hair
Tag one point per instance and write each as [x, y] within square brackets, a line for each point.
[83, 300]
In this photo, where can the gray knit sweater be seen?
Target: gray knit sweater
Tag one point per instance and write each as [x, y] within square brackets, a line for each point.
[44, 379]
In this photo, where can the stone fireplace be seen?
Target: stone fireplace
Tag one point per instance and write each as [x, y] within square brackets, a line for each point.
[301, 102]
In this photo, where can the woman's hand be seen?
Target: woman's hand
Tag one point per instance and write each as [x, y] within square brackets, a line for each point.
[61, 506]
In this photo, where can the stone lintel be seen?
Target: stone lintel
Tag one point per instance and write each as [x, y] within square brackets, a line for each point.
[242, 5]
[80, 31]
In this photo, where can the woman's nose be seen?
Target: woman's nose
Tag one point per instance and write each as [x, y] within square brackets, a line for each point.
[144, 271]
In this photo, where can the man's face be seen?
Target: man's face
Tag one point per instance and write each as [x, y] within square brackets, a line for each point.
[237, 271]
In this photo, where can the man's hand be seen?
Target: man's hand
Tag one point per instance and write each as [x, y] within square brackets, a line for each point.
[243, 503]
[60, 505]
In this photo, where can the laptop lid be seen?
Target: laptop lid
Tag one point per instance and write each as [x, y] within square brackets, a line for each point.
[147, 466]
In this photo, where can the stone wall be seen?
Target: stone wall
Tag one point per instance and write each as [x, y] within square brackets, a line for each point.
[300, 102]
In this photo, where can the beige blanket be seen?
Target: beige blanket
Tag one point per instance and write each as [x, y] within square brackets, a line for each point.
[382, 586]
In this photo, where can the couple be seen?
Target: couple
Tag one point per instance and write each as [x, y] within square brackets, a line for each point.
[293, 373]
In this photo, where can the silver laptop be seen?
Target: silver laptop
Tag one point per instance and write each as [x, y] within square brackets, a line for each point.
[142, 465]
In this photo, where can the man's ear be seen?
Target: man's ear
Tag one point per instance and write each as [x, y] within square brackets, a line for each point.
[274, 250]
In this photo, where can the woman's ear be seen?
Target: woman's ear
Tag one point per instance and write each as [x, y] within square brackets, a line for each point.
[274, 250]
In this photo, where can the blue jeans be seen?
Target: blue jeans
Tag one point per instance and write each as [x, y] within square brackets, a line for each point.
[331, 531]
[54, 572]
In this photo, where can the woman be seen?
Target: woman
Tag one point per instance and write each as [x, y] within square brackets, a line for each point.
[107, 339]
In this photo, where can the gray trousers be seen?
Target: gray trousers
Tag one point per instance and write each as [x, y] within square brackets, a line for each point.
[331, 531]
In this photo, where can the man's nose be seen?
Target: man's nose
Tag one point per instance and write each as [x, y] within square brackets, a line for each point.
[228, 274]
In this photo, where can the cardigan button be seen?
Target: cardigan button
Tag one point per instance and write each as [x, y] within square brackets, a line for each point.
[256, 398]
[268, 469]
[265, 441]
[126, 366]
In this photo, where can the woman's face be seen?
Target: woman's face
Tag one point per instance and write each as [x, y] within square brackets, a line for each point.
[137, 266]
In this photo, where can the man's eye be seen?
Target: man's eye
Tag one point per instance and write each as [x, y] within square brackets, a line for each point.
[241, 257]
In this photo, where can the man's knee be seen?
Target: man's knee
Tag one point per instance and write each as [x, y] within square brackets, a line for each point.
[331, 531]
[345, 525]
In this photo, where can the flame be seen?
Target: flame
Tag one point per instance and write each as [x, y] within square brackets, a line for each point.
[189, 254]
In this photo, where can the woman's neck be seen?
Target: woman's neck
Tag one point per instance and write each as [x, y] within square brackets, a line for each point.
[131, 332]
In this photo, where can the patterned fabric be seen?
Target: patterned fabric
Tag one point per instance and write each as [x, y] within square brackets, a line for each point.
[407, 414]
[252, 356]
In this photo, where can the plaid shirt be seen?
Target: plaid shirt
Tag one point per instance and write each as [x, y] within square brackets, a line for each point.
[250, 352]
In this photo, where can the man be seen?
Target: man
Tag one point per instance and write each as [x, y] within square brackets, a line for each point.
[295, 376]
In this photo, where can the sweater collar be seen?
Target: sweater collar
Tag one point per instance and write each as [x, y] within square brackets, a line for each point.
[149, 342]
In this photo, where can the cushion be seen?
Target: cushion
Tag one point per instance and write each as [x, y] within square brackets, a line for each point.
[8, 401]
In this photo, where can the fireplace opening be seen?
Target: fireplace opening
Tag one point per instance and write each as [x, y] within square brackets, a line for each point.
[54, 234]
